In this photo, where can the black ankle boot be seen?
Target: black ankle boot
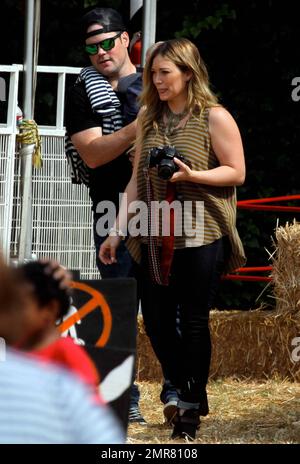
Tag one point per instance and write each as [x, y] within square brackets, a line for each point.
[186, 425]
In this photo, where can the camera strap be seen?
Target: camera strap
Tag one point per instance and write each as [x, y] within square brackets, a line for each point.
[167, 248]
[160, 266]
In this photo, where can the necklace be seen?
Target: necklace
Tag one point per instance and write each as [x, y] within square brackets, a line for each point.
[173, 120]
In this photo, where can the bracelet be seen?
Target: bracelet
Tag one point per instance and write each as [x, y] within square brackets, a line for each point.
[114, 232]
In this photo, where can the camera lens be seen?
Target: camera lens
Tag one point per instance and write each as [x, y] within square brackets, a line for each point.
[166, 169]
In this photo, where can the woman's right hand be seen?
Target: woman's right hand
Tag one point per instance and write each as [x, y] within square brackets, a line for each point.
[107, 252]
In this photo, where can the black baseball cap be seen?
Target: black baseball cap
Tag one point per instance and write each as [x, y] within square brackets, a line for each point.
[109, 19]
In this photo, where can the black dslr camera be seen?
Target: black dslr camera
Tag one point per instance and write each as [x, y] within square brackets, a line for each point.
[162, 157]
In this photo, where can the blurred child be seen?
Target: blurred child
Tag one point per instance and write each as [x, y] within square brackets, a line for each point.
[47, 302]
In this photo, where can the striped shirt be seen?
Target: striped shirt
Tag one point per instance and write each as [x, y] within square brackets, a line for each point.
[105, 103]
[218, 203]
[40, 405]
[106, 181]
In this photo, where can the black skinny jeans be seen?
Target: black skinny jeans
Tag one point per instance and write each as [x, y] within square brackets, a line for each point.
[184, 355]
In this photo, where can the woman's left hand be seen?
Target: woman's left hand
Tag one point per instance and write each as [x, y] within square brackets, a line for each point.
[184, 172]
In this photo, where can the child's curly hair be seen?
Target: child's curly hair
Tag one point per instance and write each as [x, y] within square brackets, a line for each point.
[45, 287]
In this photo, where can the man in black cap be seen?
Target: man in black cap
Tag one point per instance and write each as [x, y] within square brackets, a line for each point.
[96, 140]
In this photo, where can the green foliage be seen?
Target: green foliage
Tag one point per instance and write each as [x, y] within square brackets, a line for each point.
[90, 3]
[192, 26]
[116, 4]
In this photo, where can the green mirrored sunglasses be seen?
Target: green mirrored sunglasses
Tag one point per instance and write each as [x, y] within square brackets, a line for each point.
[106, 45]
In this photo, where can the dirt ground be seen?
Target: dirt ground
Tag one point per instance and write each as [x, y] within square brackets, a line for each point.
[241, 412]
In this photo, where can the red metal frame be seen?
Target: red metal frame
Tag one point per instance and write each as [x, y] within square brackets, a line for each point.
[259, 204]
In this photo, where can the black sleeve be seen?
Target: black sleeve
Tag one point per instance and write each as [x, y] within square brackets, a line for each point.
[129, 88]
[78, 113]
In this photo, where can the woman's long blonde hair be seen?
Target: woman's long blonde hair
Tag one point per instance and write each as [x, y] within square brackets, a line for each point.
[184, 54]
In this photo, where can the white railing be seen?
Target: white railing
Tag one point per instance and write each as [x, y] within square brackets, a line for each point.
[62, 218]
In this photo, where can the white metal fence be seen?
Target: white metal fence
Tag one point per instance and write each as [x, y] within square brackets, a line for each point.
[62, 218]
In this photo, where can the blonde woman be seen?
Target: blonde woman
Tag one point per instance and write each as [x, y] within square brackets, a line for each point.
[182, 266]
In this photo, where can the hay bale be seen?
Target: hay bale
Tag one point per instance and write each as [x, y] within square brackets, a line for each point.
[251, 344]
[147, 365]
[246, 344]
[286, 270]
